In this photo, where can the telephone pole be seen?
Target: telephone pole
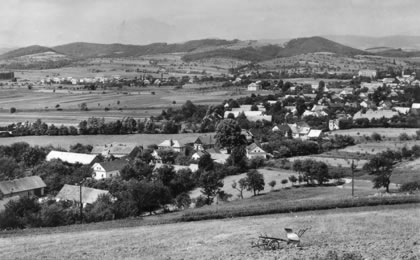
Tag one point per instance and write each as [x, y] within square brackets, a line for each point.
[353, 167]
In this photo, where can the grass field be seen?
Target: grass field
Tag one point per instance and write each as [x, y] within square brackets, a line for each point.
[137, 103]
[365, 231]
[387, 132]
[66, 141]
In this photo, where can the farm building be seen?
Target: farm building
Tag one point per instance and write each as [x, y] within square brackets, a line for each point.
[204, 142]
[72, 193]
[27, 186]
[117, 150]
[170, 144]
[314, 134]
[299, 130]
[72, 158]
[104, 170]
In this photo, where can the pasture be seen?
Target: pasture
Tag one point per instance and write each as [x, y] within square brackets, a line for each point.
[63, 105]
[363, 231]
[384, 132]
[66, 141]
[269, 175]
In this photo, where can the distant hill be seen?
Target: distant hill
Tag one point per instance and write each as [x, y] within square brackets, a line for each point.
[365, 42]
[34, 49]
[317, 44]
[291, 48]
[89, 50]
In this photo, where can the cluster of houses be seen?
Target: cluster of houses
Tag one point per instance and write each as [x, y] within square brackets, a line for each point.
[34, 185]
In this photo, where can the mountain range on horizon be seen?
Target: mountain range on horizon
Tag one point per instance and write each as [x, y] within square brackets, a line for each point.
[253, 50]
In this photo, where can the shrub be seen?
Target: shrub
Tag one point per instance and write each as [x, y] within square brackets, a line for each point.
[200, 201]
[376, 137]
[12, 110]
[410, 186]
[404, 137]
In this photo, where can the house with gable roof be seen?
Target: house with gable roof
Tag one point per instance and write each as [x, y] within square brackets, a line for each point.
[254, 151]
[170, 144]
[105, 170]
[28, 186]
[72, 193]
[72, 158]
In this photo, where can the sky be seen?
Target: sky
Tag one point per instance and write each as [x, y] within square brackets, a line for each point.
[55, 22]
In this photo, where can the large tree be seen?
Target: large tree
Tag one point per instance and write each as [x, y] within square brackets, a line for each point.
[255, 181]
[210, 183]
[228, 134]
[381, 166]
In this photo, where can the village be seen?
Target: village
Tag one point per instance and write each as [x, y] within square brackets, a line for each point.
[278, 120]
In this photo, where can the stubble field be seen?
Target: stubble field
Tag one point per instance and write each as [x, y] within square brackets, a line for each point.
[381, 232]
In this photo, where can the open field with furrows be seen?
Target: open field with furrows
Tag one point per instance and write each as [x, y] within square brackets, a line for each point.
[406, 172]
[365, 231]
[66, 141]
[139, 103]
[387, 132]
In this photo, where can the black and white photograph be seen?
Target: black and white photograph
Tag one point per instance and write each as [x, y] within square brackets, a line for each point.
[210, 129]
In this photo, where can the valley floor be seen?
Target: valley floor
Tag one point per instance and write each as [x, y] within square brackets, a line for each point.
[382, 232]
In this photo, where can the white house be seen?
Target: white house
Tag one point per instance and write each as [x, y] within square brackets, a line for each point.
[105, 170]
[254, 151]
[333, 124]
[253, 87]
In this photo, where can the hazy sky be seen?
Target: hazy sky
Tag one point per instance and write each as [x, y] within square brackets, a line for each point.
[53, 22]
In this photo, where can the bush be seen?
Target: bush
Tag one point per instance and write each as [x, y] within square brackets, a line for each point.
[410, 186]
[404, 137]
[200, 201]
[376, 137]
[12, 110]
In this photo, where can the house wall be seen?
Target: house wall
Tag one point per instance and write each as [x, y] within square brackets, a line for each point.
[36, 192]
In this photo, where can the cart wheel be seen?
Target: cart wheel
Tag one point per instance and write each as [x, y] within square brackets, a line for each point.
[273, 245]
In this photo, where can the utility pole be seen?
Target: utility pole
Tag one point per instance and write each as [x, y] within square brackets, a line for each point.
[81, 203]
[353, 167]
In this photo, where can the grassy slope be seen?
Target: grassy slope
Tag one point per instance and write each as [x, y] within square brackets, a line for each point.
[365, 230]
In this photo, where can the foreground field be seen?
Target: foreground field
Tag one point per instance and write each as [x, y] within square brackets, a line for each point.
[361, 231]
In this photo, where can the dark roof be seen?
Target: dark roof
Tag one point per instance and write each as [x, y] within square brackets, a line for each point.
[113, 165]
[213, 150]
[23, 184]
[205, 139]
